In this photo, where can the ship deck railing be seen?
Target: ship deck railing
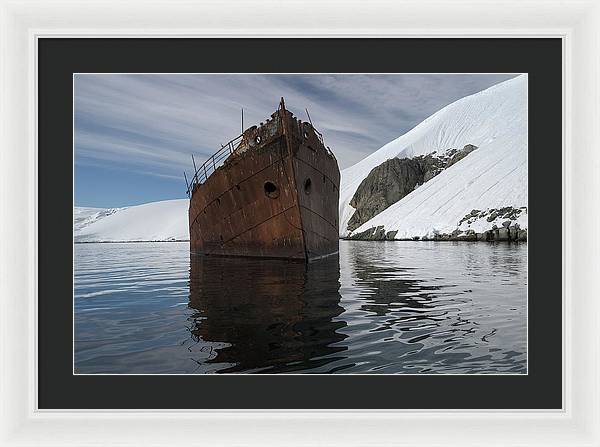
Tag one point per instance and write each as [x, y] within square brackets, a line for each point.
[320, 137]
[218, 158]
[213, 163]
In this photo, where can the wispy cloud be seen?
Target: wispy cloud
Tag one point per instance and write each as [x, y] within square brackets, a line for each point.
[153, 123]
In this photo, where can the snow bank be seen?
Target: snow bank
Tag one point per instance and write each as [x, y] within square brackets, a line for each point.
[157, 221]
[493, 176]
[84, 216]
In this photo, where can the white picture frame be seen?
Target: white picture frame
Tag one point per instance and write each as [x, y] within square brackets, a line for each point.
[577, 23]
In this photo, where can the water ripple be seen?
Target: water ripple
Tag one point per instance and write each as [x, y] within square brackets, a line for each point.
[381, 308]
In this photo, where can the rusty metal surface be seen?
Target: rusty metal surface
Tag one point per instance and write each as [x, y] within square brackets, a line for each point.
[234, 211]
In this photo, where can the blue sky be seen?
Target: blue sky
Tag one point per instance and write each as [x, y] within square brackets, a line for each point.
[134, 134]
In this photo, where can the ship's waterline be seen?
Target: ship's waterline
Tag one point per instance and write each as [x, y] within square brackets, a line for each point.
[377, 307]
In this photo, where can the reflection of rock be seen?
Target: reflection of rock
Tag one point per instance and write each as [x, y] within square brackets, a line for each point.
[392, 287]
[276, 315]
[397, 177]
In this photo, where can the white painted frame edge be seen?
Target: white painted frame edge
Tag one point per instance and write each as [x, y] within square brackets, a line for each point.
[576, 22]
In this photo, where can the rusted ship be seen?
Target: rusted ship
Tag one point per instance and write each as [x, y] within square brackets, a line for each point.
[271, 192]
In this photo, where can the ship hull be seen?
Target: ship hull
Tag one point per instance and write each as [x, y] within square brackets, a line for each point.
[278, 199]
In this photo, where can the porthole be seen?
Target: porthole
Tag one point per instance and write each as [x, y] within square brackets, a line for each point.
[258, 139]
[271, 190]
[307, 186]
[306, 134]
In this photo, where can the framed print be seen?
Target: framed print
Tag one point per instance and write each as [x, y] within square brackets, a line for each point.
[291, 256]
[324, 237]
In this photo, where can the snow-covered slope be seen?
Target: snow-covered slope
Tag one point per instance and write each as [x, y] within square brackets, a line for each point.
[84, 216]
[493, 176]
[157, 221]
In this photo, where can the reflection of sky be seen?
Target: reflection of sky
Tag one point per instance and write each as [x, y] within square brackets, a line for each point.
[134, 133]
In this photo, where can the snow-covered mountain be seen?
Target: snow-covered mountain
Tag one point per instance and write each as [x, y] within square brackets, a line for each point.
[156, 221]
[488, 180]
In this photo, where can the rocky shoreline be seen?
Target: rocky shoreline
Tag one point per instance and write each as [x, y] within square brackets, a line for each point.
[505, 234]
[501, 223]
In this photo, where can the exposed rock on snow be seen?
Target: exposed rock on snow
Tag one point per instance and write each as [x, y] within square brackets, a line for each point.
[492, 177]
[395, 178]
[388, 183]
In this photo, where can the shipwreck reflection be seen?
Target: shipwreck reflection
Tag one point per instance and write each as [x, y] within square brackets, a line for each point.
[268, 315]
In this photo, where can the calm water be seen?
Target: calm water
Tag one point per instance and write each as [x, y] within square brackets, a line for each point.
[381, 307]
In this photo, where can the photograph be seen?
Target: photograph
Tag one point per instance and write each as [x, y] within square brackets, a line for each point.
[292, 226]
[300, 223]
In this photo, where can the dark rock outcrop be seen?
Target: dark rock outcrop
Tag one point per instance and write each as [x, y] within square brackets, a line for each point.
[504, 234]
[388, 183]
[395, 178]
[508, 212]
[457, 155]
[370, 234]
